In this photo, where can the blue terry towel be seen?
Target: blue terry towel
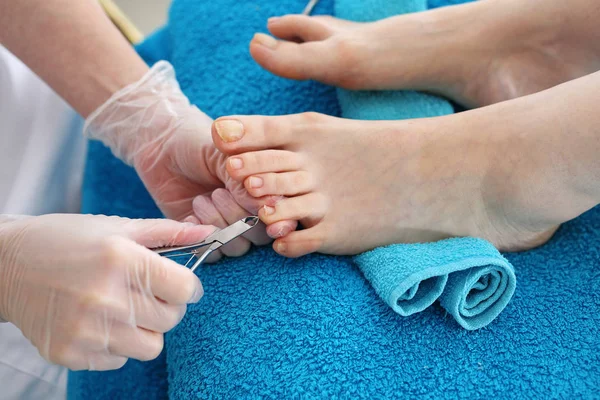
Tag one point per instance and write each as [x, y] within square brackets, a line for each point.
[472, 280]
[411, 277]
[314, 327]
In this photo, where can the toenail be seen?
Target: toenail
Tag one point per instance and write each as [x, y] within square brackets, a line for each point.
[281, 247]
[236, 163]
[272, 19]
[282, 232]
[229, 130]
[256, 182]
[265, 40]
[269, 210]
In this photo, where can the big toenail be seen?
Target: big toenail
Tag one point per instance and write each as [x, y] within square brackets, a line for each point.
[236, 163]
[265, 40]
[269, 210]
[229, 130]
[255, 182]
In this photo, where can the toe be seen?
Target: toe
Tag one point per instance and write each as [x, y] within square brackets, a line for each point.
[205, 212]
[336, 24]
[300, 243]
[311, 207]
[241, 166]
[300, 61]
[299, 28]
[281, 229]
[282, 184]
[240, 134]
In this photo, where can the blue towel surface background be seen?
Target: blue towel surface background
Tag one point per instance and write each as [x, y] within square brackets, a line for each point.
[314, 327]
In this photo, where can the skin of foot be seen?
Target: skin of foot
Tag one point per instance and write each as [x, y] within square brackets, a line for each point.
[476, 54]
[509, 173]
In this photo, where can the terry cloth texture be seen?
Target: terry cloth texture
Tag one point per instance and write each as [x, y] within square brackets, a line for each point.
[314, 327]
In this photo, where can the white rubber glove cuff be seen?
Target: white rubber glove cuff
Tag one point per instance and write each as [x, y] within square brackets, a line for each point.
[139, 115]
[5, 218]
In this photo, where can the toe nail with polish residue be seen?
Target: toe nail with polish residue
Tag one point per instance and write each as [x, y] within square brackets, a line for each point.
[229, 130]
[281, 247]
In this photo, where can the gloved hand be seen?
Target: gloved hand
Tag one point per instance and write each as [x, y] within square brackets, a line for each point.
[88, 293]
[152, 126]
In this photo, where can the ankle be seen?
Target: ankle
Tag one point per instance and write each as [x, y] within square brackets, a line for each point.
[530, 175]
[459, 41]
[449, 51]
[530, 41]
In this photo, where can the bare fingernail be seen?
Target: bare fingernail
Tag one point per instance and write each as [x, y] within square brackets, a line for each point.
[272, 19]
[269, 210]
[236, 163]
[229, 130]
[255, 182]
[265, 40]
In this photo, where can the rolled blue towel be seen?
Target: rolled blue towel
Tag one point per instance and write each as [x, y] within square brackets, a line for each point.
[312, 328]
[470, 277]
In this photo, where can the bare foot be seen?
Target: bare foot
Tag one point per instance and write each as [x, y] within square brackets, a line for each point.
[476, 54]
[356, 185]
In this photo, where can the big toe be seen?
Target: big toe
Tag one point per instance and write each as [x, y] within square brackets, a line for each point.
[240, 134]
[300, 61]
[299, 28]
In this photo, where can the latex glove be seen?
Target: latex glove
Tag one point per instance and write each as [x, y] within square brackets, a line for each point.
[88, 293]
[152, 126]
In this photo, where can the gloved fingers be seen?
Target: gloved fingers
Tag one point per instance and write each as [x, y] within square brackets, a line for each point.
[205, 210]
[164, 232]
[192, 219]
[154, 314]
[104, 362]
[95, 362]
[79, 358]
[135, 308]
[133, 342]
[139, 115]
[233, 212]
[81, 344]
[241, 245]
[215, 255]
[163, 278]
